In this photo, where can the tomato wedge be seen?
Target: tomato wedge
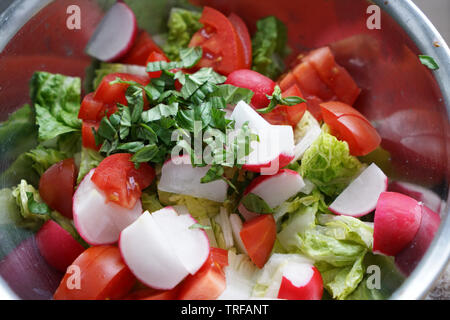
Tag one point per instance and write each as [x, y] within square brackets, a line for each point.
[287, 115]
[351, 126]
[220, 256]
[87, 136]
[244, 36]
[222, 48]
[153, 294]
[142, 47]
[100, 273]
[90, 108]
[207, 284]
[56, 186]
[110, 94]
[121, 181]
[333, 75]
[258, 236]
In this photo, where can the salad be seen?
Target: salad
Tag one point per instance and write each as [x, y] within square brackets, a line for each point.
[198, 165]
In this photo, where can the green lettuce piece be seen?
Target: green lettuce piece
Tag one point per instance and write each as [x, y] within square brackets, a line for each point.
[328, 164]
[67, 224]
[150, 202]
[90, 159]
[390, 279]
[17, 134]
[269, 47]
[340, 282]
[301, 220]
[44, 157]
[347, 228]
[56, 99]
[218, 234]
[10, 234]
[32, 209]
[20, 169]
[319, 246]
[182, 25]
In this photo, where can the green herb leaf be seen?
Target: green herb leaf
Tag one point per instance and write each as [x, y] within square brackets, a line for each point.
[276, 99]
[256, 204]
[199, 226]
[429, 62]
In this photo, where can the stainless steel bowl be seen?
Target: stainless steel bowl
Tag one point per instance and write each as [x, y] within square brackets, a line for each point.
[33, 35]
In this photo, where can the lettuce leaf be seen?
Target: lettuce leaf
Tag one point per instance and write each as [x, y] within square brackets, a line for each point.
[56, 99]
[340, 282]
[43, 158]
[182, 25]
[328, 164]
[347, 228]
[90, 159]
[269, 47]
[150, 202]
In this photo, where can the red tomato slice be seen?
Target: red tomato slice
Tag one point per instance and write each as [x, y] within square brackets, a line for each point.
[351, 126]
[153, 294]
[121, 181]
[153, 57]
[222, 48]
[258, 236]
[90, 108]
[361, 136]
[333, 110]
[287, 115]
[115, 93]
[207, 284]
[244, 36]
[102, 275]
[286, 81]
[142, 47]
[56, 186]
[220, 256]
[254, 81]
[335, 76]
[87, 136]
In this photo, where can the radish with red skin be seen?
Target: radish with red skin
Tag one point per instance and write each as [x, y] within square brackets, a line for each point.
[57, 246]
[361, 195]
[397, 220]
[301, 282]
[254, 81]
[161, 248]
[179, 176]
[115, 34]
[407, 259]
[97, 220]
[274, 190]
[275, 148]
[422, 194]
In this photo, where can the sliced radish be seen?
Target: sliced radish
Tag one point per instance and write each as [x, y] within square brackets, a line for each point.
[236, 227]
[190, 245]
[161, 248]
[274, 190]
[397, 220]
[275, 148]
[297, 269]
[407, 259]
[428, 197]
[178, 176]
[301, 281]
[115, 34]
[361, 196]
[57, 246]
[97, 220]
